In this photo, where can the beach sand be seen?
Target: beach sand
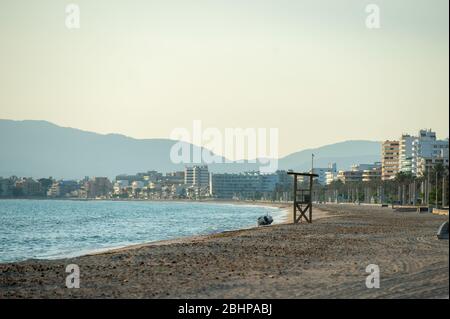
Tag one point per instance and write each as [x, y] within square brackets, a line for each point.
[325, 259]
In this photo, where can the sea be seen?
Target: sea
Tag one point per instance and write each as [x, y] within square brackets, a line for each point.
[52, 229]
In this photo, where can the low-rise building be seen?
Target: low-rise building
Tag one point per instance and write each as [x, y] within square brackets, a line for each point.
[98, 187]
[175, 178]
[323, 171]
[365, 167]
[63, 188]
[7, 186]
[137, 185]
[426, 164]
[426, 146]
[349, 176]
[330, 177]
[371, 175]
[243, 185]
[28, 187]
[120, 186]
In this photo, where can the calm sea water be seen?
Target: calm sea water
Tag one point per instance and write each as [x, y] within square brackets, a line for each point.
[61, 228]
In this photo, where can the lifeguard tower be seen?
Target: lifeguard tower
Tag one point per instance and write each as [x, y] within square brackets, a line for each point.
[302, 198]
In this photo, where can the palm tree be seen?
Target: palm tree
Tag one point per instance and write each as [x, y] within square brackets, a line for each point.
[445, 180]
[437, 172]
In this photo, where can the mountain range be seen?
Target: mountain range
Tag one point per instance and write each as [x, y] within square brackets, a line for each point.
[40, 149]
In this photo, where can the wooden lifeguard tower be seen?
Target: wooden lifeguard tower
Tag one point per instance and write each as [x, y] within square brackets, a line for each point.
[302, 198]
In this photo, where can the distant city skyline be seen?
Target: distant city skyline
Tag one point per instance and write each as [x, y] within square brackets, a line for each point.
[310, 68]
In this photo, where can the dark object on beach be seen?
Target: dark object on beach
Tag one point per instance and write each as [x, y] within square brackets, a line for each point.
[443, 231]
[265, 220]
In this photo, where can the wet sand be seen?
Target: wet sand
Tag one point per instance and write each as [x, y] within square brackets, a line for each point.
[325, 259]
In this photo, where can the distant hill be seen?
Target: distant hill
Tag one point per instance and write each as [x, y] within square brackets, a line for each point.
[344, 154]
[41, 149]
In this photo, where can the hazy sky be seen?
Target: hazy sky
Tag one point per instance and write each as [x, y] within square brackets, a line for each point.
[309, 67]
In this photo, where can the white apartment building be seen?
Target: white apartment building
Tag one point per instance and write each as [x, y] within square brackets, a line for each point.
[406, 153]
[324, 172]
[426, 146]
[330, 177]
[243, 185]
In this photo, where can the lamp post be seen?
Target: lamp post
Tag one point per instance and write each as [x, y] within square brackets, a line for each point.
[436, 189]
[428, 187]
[443, 191]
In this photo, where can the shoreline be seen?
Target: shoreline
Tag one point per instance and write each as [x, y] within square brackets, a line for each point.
[317, 214]
[281, 207]
[197, 238]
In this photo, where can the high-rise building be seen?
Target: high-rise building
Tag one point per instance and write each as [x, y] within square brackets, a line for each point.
[406, 153]
[415, 153]
[197, 176]
[390, 156]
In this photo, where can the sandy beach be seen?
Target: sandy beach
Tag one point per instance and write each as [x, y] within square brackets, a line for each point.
[325, 259]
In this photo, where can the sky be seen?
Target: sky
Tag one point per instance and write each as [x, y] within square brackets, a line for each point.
[310, 68]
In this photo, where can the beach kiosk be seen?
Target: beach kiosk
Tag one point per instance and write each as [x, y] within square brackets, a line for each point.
[302, 198]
